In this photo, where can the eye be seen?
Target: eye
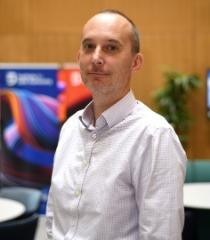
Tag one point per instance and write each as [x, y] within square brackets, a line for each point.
[111, 48]
[88, 46]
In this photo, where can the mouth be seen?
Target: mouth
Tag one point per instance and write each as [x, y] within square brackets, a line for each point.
[98, 73]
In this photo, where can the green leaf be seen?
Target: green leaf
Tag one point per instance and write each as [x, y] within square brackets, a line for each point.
[171, 100]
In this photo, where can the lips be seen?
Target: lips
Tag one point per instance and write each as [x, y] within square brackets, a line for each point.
[98, 73]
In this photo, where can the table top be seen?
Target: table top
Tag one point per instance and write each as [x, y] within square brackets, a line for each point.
[197, 195]
[10, 209]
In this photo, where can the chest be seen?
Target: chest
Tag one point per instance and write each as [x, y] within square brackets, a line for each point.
[98, 157]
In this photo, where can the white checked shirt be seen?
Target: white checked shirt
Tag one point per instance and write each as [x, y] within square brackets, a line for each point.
[120, 180]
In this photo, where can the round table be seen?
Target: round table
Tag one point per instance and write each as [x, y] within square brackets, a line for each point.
[197, 195]
[10, 209]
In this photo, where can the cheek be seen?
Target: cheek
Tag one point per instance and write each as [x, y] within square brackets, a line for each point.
[83, 68]
[83, 60]
[123, 67]
[81, 63]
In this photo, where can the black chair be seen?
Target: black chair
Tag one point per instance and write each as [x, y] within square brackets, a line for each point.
[31, 198]
[19, 229]
[189, 230]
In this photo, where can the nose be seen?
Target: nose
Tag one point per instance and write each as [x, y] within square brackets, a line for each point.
[97, 58]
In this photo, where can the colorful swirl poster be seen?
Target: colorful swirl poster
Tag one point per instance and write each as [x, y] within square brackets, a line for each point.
[34, 102]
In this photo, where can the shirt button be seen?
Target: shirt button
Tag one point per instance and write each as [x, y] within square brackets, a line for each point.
[94, 135]
[77, 193]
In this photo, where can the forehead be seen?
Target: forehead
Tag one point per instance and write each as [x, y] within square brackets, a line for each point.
[108, 26]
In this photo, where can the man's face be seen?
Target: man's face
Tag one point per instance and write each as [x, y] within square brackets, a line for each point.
[105, 57]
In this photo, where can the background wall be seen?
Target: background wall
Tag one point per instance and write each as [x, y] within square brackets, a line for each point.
[173, 33]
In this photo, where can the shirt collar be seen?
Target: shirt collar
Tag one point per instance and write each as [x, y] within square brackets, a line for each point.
[123, 108]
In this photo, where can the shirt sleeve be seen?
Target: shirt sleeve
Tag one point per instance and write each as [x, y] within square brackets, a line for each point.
[50, 206]
[159, 189]
[49, 216]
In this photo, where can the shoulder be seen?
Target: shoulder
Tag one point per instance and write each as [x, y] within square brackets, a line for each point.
[161, 132]
[154, 127]
[71, 122]
[150, 120]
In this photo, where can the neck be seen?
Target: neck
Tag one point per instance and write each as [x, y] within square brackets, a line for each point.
[103, 102]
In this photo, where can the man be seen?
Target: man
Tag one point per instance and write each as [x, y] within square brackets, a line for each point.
[119, 167]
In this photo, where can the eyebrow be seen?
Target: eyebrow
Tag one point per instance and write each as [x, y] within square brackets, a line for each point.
[109, 41]
[86, 40]
[115, 42]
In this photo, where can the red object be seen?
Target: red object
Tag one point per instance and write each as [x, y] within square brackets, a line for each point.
[73, 91]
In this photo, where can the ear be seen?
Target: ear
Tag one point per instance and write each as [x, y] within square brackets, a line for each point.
[137, 62]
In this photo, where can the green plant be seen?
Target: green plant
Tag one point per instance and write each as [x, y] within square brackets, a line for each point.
[171, 101]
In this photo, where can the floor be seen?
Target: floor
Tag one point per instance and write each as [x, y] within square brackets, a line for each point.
[40, 233]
